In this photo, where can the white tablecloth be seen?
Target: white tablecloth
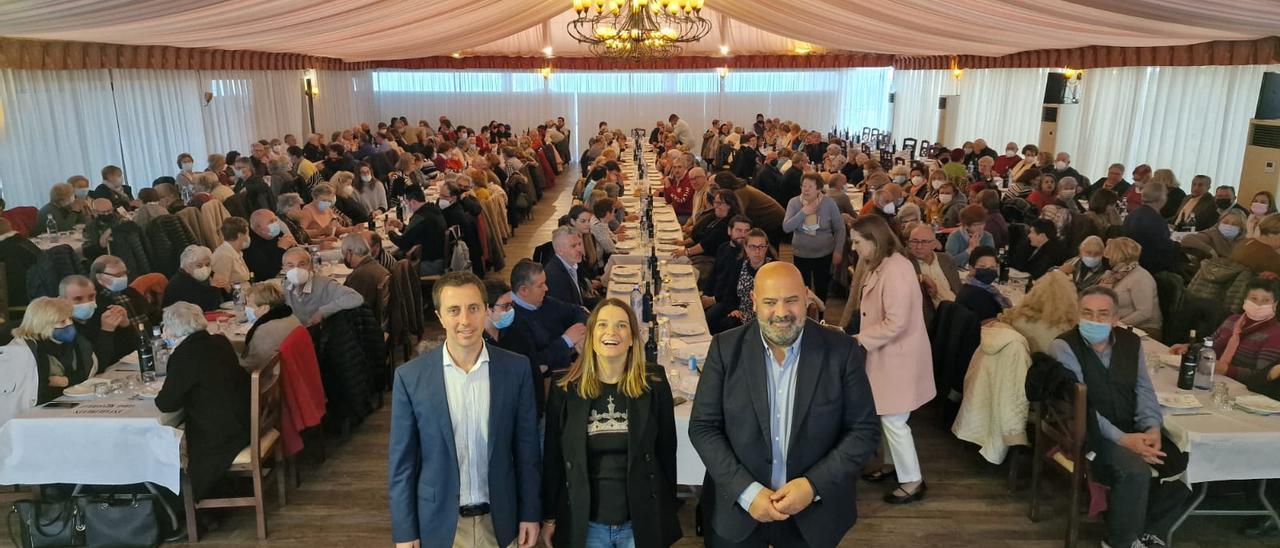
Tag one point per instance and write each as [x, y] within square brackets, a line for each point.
[108, 441]
[74, 238]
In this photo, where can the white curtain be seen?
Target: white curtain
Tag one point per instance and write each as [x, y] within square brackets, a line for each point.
[279, 104]
[915, 102]
[1193, 120]
[469, 98]
[54, 124]
[345, 99]
[251, 105]
[160, 117]
[1005, 102]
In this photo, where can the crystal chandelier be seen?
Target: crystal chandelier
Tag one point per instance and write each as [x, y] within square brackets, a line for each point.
[637, 29]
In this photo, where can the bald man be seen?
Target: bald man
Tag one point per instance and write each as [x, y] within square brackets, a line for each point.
[783, 379]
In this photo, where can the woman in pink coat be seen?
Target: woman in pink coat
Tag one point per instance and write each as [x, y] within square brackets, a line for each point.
[899, 361]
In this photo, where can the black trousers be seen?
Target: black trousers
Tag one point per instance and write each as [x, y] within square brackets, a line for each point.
[1139, 503]
[782, 534]
[816, 273]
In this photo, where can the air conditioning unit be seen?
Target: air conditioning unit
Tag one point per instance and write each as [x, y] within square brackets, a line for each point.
[1048, 127]
[1261, 169]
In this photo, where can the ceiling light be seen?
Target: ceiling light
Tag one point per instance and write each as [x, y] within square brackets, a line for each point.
[456, 55]
[803, 48]
[547, 51]
[724, 50]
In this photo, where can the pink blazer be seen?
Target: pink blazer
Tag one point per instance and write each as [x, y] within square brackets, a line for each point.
[899, 357]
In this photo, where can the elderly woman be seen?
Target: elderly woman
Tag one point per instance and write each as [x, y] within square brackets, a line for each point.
[1086, 268]
[194, 283]
[949, 201]
[320, 219]
[1139, 304]
[186, 171]
[1248, 344]
[369, 191]
[217, 165]
[272, 320]
[63, 356]
[228, 260]
[346, 200]
[1263, 204]
[1068, 189]
[817, 233]
[978, 293]
[289, 209]
[206, 382]
[1219, 240]
[971, 234]
[61, 199]
[1047, 311]
[1047, 250]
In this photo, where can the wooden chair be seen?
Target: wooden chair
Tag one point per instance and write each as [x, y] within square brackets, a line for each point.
[1060, 424]
[264, 428]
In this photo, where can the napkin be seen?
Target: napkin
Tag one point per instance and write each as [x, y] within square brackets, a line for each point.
[1177, 400]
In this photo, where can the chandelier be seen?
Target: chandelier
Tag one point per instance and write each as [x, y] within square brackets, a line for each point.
[637, 29]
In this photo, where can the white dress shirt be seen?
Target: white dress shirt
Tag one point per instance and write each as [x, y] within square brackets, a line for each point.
[468, 396]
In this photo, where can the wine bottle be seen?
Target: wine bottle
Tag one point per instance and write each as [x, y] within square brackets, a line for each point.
[1190, 360]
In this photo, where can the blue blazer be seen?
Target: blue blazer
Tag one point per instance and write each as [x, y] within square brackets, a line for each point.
[423, 474]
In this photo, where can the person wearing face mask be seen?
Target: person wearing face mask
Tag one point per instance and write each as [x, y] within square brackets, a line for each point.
[949, 204]
[80, 188]
[114, 189]
[1062, 168]
[268, 240]
[194, 281]
[1219, 240]
[1125, 434]
[950, 165]
[1030, 159]
[1263, 204]
[62, 197]
[98, 326]
[1068, 192]
[272, 321]
[1006, 161]
[920, 187]
[97, 232]
[369, 191]
[1224, 197]
[186, 171]
[312, 296]
[456, 208]
[127, 306]
[425, 231]
[321, 219]
[502, 313]
[971, 235]
[228, 260]
[977, 293]
[63, 357]
[1248, 344]
[368, 277]
[1139, 303]
[1087, 268]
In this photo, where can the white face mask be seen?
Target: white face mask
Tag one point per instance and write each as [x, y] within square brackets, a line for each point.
[946, 198]
[937, 183]
[366, 178]
[1258, 312]
[917, 180]
[1011, 153]
[889, 208]
[298, 276]
[443, 203]
[187, 166]
[1060, 166]
[201, 274]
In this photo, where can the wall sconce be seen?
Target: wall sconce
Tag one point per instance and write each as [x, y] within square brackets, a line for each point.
[723, 72]
[956, 71]
[545, 72]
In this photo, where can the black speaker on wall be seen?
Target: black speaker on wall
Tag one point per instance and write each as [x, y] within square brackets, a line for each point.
[1269, 97]
[1055, 89]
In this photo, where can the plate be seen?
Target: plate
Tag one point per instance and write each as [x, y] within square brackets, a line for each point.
[681, 269]
[1177, 401]
[1256, 403]
[669, 228]
[671, 310]
[628, 245]
[668, 239]
[84, 389]
[227, 306]
[687, 328]
[1171, 360]
[683, 282]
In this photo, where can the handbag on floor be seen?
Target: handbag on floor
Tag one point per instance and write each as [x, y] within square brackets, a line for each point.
[117, 521]
[44, 524]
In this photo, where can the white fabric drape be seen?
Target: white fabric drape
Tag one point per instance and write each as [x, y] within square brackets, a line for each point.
[915, 102]
[359, 30]
[1003, 102]
[54, 124]
[160, 117]
[345, 99]
[249, 105]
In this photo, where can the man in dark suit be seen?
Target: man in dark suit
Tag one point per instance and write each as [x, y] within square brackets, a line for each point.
[566, 280]
[426, 229]
[768, 179]
[728, 256]
[114, 189]
[548, 330]
[1198, 208]
[464, 466]
[783, 471]
[1147, 227]
[268, 240]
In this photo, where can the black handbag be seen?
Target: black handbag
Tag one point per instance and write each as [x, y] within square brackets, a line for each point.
[118, 521]
[44, 524]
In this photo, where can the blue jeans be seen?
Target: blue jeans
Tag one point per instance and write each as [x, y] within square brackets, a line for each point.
[600, 535]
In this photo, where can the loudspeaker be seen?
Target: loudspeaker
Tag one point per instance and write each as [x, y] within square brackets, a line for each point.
[1269, 97]
[1055, 89]
[942, 103]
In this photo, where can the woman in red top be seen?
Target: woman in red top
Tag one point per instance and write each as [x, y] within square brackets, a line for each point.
[1046, 192]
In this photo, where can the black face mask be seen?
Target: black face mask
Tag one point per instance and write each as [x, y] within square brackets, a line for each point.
[986, 275]
[1223, 203]
[107, 219]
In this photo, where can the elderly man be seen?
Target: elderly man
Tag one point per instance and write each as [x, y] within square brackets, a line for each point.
[678, 188]
[1114, 181]
[1125, 433]
[1008, 160]
[1146, 226]
[111, 284]
[114, 190]
[939, 276]
[1133, 197]
[980, 150]
[228, 260]
[195, 282]
[268, 241]
[764, 487]
[548, 330]
[62, 199]
[1197, 211]
[1224, 197]
[1062, 168]
[701, 198]
[425, 230]
[313, 297]
[107, 328]
[566, 279]
[97, 232]
[368, 277]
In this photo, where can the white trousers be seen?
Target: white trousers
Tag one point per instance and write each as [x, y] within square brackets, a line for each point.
[900, 448]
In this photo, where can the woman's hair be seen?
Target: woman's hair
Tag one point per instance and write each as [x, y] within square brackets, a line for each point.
[585, 371]
[42, 315]
[980, 252]
[1053, 187]
[233, 227]
[286, 202]
[1102, 199]
[60, 192]
[972, 214]
[1165, 176]
[1094, 244]
[183, 318]
[989, 199]
[1271, 199]
[1237, 217]
[1269, 225]
[1122, 251]
[321, 189]
[341, 178]
[729, 197]
[217, 160]
[1270, 285]
[818, 182]
[195, 253]
[875, 229]
[1052, 301]
[267, 293]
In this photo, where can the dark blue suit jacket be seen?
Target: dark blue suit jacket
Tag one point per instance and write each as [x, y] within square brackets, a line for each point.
[561, 283]
[423, 472]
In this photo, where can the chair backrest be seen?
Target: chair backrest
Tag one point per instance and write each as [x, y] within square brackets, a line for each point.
[266, 404]
[152, 287]
[1063, 419]
[23, 219]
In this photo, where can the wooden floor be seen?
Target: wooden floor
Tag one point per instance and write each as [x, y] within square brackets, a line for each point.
[343, 502]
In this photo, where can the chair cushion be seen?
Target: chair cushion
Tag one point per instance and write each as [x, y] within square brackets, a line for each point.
[265, 444]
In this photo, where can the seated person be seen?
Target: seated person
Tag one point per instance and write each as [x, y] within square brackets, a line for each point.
[320, 220]
[347, 202]
[547, 330]
[602, 216]
[63, 357]
[1047, 251]
[726, 258]
[1248, 344]
[108, 330]
[502, 310]
[1087, 268]
[1045, 312]
[272, 321]
[734, 305]
[567, 280]
[150, 208]
[111, 276]
[61, 208]
[1259, 254]
[313, 297]
[228, 260]
[194, 281]
[1127, 441]
[938, 275]
[1219, 240]
[368, 277]
[114, 190]
[289, 210]
[205, 382]
[17, 256]
[97, 233]
[425, 230]
[1138, 303]
[978, 294]
[709, 231]
[971, 234]
[592, 258]
[268, 241]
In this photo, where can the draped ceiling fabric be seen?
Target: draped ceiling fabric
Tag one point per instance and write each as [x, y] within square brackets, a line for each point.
[373, 30]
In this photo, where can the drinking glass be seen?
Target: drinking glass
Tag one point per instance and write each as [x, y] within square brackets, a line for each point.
[1221, 395]
[101, 390]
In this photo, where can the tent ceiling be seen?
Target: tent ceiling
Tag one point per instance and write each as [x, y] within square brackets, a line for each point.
[361, 30]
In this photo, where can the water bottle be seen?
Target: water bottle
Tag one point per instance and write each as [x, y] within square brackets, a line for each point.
[1204, 368]
[237, 297]
[51, 228]
[693, 364]
[1189, 225]
[637, 299]
[1190, 362]
[159, 352]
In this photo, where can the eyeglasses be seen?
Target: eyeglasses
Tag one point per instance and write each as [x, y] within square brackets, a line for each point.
[921, 242]
[757, 247]
[503, 307]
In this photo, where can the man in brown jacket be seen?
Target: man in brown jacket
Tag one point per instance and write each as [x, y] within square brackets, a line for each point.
[368, 277]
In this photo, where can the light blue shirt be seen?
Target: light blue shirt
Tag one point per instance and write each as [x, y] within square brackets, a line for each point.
[782, 392]
[958, 245]
[1147, 411]
[522, 304]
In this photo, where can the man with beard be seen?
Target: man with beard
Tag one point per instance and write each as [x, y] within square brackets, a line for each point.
[782, 378]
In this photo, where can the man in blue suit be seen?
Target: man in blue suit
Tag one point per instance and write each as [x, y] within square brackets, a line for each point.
[464, 460]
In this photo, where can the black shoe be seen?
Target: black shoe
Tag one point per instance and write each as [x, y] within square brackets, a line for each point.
[879, 475]
[1151, 541]
[893, 498]
[1263, 527]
